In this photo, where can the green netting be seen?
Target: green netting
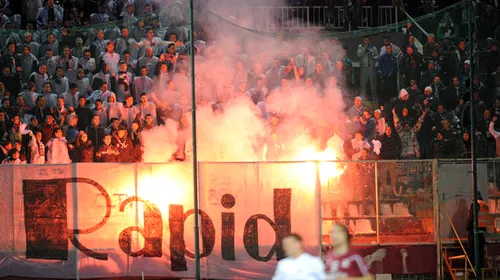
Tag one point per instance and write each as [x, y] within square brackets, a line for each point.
[110, 24]
[429, 22]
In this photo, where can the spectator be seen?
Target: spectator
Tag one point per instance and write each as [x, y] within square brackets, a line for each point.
[390, 150]
[95, 132]
[107, 152]
[50, 98]
[387, 70]
[412, 64]
[149, 61]
[83, 113]
[82, 83]
[68, 63]
[84, 148]
[57, 149]
[122, 141]
[59, 82]
[29, 95]
[410, 148]
[48, 14]
[369, 55]
[37, 148]
[50, 44]
[111, 58]
[13, 157]
[71, 96]
[126, 43]
[27, 62]
[143, 84]
[49, 60]
[87, 63]
[39, 78]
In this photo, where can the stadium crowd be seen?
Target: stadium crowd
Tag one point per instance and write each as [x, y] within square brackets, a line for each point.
[87, 95]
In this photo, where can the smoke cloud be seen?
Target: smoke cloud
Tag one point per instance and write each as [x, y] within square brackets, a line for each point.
[230, 127]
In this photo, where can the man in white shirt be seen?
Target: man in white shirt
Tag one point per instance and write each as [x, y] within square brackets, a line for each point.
[111, 57]
[298, 265]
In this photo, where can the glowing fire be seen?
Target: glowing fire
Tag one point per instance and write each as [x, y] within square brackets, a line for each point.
[328, 169]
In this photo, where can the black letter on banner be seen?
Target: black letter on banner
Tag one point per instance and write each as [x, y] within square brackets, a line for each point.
[71, 235]
[177, 244]
[207, 233]
[152, 232]
[46, 219]
[281, 226]
[227, 238]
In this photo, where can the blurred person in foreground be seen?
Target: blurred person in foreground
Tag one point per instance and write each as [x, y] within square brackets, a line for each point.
[343, 262]
[298, 265]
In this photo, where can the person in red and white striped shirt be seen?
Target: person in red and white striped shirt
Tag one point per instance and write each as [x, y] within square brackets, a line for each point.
[343, 262]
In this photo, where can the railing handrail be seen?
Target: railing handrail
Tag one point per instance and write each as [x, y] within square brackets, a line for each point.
[443, 205]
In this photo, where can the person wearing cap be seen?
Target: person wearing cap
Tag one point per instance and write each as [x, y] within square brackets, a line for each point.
[28, 40]
[124, 144]
[78, 50]
[465, 74]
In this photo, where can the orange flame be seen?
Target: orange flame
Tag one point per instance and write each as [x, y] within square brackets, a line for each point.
[328, 169]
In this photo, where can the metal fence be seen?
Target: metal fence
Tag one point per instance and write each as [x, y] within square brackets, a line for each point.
[314, 17]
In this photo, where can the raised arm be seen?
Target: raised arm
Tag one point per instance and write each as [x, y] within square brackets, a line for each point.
[492, 130]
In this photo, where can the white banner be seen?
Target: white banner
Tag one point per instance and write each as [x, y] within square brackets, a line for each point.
[110, 220]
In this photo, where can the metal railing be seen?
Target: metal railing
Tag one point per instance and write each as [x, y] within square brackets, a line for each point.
[314, 17]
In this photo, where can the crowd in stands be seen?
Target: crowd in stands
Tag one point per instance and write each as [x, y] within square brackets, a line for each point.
[87, 95]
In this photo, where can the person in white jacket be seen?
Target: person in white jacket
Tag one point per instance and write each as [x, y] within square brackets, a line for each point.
[114, 109]
[37, 149]
[57, 149]
[146, 108]
[130, 111]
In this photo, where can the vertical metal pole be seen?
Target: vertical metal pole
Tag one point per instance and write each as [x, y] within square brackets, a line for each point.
[396, 17]
[320, 206]
[13, 214]
[437, 219]
[195, 152]
[74, 174]
[376, 203]
[473, 140]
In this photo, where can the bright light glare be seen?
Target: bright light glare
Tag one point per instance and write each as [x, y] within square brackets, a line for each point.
[328, 170]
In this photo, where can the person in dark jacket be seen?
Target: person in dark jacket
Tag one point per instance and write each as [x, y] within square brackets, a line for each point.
[412, 65]
[124, 144]
[107, 152]
[95, 132]
[84, 148]
[390, 150]
[136, 137]
[84, 113]
[387, 70]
